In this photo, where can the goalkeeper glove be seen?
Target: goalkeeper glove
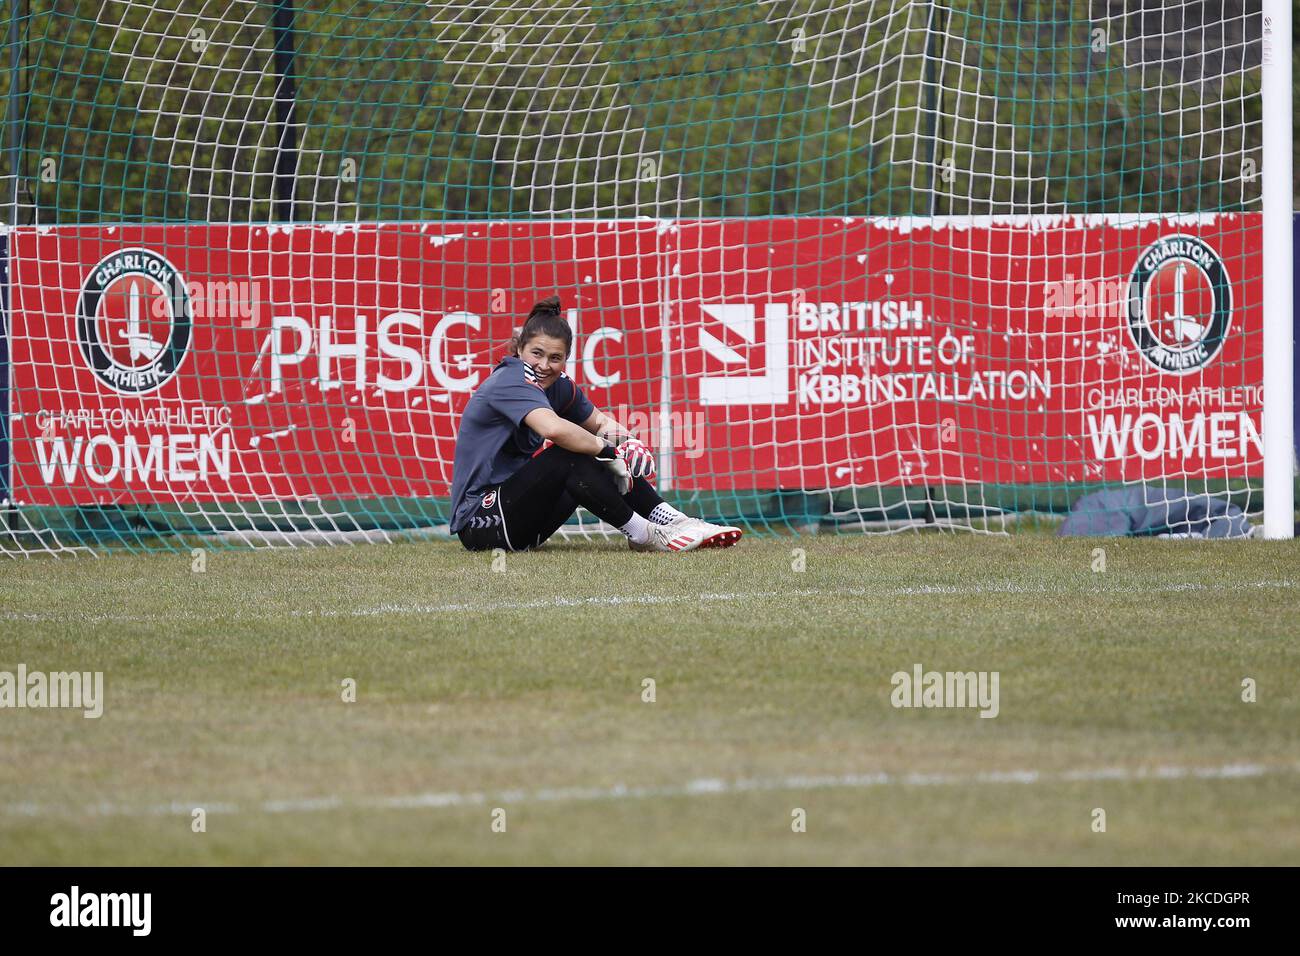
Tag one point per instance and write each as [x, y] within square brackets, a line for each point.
[640, 460]
[610, 458]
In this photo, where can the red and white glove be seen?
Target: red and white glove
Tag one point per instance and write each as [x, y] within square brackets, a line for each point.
[640, 460]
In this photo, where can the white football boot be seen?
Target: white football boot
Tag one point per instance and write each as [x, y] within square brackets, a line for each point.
[716, 535]
[678, 536]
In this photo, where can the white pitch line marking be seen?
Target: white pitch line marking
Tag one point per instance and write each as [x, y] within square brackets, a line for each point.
[615, 600]
[709, 786]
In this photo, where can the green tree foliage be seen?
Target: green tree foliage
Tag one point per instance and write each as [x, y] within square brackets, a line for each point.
[165, 110]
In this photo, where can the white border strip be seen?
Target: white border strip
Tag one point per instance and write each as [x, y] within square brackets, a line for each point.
[904, 224]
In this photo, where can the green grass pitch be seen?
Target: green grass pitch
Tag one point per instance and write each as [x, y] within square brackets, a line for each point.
[521, 689]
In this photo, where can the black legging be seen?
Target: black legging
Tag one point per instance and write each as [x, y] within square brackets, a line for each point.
[533, 502]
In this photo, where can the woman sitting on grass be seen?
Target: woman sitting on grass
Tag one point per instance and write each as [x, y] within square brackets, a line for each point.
[507, 493]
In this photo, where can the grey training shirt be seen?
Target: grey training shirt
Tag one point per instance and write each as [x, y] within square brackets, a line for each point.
[493, 442]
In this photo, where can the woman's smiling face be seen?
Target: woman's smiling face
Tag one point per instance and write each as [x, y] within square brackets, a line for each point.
[547, 355]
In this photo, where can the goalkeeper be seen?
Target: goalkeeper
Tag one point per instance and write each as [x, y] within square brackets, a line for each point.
[507, 493]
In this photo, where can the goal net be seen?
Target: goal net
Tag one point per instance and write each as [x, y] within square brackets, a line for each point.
[863, 265]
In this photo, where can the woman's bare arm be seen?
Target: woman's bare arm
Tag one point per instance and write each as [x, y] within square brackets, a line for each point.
[564, 433]
[603, 426]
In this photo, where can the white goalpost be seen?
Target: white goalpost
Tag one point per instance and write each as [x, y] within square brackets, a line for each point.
[1279, 315]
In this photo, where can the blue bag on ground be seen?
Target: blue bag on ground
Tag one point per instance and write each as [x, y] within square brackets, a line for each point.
[1150, 511]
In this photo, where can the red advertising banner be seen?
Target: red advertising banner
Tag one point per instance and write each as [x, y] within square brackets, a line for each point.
[1047, 350]
[199, 363]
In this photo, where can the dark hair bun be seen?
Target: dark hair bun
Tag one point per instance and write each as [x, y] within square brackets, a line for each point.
[548, 306]
[544, 319]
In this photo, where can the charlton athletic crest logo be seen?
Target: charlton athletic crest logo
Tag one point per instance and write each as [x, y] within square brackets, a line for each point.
[1179, 304]
[134, 321]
